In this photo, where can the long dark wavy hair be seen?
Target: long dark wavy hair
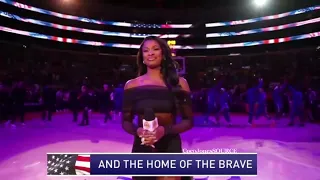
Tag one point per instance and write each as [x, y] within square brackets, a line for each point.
[168, 65]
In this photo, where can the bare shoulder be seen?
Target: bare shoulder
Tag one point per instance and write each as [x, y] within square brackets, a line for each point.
[184, 84]
[132, 83]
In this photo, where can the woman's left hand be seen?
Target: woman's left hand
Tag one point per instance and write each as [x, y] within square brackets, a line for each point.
[159, 133]
[148, 138]
[153, 137]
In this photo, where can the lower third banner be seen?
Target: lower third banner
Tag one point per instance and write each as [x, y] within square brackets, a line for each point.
[153, 164]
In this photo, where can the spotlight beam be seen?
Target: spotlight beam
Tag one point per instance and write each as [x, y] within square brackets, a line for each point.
[260, 3]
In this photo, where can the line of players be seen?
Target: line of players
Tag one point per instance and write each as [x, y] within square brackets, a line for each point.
[13, 107]
[256, 99]
[109, 101]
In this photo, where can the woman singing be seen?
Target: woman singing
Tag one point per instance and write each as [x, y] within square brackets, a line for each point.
[159, 87]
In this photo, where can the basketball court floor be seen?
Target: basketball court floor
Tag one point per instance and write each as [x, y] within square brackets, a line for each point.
[284, 153]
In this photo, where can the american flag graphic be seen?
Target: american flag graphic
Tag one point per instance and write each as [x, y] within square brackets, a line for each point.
[150, 26]
[143, 26]
[68, 164]
[146, 25]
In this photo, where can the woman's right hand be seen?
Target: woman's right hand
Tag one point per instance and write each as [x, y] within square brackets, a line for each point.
[141, 132]
[147, 137]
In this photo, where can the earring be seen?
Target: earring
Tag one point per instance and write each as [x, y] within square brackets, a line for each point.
[143, 62]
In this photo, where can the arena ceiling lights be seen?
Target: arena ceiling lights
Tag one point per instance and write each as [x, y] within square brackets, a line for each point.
[133, 35]
[124, 24]
[271, 17]
[136, 46]
[88, 20]
[84, 30]
[266, 29]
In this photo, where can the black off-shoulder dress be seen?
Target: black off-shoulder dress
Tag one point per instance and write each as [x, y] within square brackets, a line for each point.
[166, 103]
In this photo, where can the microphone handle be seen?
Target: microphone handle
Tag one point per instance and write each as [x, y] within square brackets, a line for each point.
[149, 129]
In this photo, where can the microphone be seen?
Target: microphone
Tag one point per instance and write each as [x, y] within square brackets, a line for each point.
[150, 122]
